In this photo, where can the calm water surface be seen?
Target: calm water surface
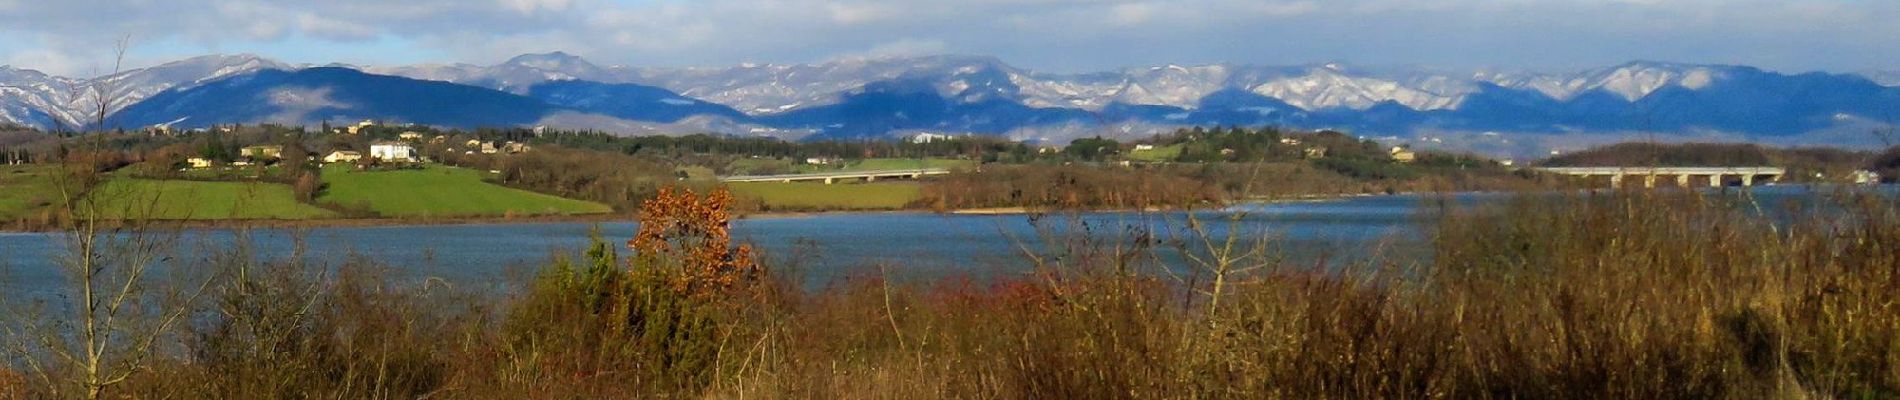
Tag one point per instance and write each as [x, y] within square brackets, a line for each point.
[826, 247]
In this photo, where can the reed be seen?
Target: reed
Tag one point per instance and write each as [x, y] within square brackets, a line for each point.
[1583, 295]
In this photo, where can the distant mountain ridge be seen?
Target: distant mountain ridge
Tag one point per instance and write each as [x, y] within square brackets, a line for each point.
[966, 94]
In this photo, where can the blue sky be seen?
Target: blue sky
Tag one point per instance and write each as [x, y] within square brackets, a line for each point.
[71, 36]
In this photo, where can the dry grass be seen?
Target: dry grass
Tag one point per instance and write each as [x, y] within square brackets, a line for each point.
[1625, 295]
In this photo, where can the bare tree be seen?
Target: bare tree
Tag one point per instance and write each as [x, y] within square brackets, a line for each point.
[118, 309]
[1887, 132]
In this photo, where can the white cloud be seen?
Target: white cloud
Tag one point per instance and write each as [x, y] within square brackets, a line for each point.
[900, 48]
[1048, 34]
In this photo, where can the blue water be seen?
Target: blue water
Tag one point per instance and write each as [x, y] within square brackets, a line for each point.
[824, 247]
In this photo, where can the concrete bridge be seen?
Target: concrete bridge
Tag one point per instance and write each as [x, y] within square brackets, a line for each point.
[1712, 176]
[830, 177]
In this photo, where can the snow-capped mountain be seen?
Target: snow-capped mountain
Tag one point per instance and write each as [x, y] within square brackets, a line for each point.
[1885, 78]
[35, 99]
[31, 98]
[774, 88]
[516, 75]
[132, 86]
[1630, 81]
[970, 94]
[311, 96]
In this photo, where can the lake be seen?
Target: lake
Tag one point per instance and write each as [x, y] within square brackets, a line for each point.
[826, 247]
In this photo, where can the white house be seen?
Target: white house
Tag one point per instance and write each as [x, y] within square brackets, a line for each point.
[392, 152]
[929, 137]
[1404, 155]
[513, 147]
[1864, 177]
[342, 156]
[198, 162]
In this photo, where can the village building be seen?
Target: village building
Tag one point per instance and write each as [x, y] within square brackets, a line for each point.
[358, 128]
[198, 162]
[1404, 155]
[342, 156]
[392, 152]
[1315, 152]
[515, 147]
[927, 137]
[262, 152]
[1865, 177]
[410, 135]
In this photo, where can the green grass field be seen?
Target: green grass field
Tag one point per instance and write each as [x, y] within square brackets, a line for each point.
[819, 196]
[438, 191]
[24, 188]
[197, 200]
[755, 166]
[1158, 154]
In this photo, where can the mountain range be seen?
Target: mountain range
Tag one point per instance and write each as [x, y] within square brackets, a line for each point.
[961, 94]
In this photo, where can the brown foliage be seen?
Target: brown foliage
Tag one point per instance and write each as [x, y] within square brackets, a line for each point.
[1068, 187]
[1626, 295]
[307, 185]
[12, 385]
[696, 232]
[614, 179]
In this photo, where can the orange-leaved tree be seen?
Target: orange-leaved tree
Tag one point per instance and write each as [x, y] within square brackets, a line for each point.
[664, 315]
[695, 233]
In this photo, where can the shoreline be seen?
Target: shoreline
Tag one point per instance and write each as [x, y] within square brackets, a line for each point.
[359, 222]
[623, 217]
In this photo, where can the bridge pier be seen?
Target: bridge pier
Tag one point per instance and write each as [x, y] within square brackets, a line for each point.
[1684, 175]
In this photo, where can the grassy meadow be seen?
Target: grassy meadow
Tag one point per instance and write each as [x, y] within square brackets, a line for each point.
[1157, 154]
[838, 196]
[880, 164]
[25, 188]
[438, 191]
[754, 166]
[199, 200]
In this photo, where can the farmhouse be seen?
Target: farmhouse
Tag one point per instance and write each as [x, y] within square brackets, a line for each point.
[262, 152]
[392, 152]
[199, 162]
[514, 147]
[344, 156]
[927, 137]
[1404, 155]
[354, 129]
[483, 147]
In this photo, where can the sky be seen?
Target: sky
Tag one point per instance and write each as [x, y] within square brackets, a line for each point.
[75, 37]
